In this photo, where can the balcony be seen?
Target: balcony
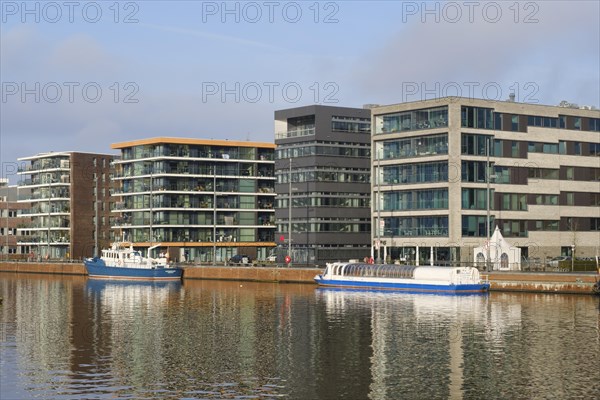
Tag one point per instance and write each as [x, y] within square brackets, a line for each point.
[295, 133]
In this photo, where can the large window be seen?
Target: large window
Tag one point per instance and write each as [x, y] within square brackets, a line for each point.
[543, 173]
[326, 174]
[473, 171]
[351, 124]
[548, 148]
[415, 173]
[416, 226]
[513, 228]
[547, 122]
[475, 145]
[546, 225]
[476, 199]
[415, 200]
[342, 149]
[412, 120]
[474, 225]
[416, 146]
[513, 201]
[546, 199]
[477, 117]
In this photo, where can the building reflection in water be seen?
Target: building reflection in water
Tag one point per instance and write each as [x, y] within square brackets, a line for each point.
[75, 338]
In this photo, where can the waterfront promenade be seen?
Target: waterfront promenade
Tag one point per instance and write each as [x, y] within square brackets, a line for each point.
[540, 282]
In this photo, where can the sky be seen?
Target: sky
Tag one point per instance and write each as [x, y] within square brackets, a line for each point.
[78, 76]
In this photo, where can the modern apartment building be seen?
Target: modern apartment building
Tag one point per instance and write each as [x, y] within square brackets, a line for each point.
[202, 200]
[431, 178]
[323, 165]
[10, 221]
[69, 197]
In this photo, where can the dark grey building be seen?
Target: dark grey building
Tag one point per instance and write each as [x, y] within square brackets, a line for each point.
[322, 162]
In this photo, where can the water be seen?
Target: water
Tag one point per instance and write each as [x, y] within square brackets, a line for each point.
[73, 338]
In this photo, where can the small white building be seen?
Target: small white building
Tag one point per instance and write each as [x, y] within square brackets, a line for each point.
[503, 256]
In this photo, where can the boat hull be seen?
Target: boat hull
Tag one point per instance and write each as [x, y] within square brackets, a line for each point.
[404, 286]
[98, 270]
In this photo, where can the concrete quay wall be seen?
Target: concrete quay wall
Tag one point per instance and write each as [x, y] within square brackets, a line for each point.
[259, 274]
[43, 268]
[499, 281]
[542, 282]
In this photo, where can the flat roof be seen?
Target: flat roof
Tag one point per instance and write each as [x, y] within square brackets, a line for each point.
[501, 105]
[61, 153]
[191, 141]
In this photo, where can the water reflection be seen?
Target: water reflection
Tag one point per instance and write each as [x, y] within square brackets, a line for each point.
[72, 338]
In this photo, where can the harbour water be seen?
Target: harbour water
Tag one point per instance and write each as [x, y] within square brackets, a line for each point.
[74, 338]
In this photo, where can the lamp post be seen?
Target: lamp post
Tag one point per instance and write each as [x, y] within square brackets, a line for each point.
[290, 213]
[49, 213]
[96, 247]
[214, 214]
[487, 221]
[378, 203]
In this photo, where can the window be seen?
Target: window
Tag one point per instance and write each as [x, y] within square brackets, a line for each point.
[577, 123]
[477, 117]
[498, 121]
[415, 173]
[513, 228]
[562, 147]
[415, 147]
[548, 148]
[476, 199]
[546, 225]
[570, 173]
[570, 198]
[416, 226]
[415, 200]
[546, 199]
[351, 124]
[577, 148]
[514, 123]
[595, 124]
[475, 144]
[514, 201]
[474, 225]
[546, 122]
[473, 171]
[562, 121]
[543, 173]
[412, 120]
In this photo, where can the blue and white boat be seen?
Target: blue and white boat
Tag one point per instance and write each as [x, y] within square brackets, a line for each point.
[403, 277]
[123, 262]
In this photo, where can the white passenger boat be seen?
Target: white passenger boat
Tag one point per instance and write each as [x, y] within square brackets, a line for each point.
[403, 277]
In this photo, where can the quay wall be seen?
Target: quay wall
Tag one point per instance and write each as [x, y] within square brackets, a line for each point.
[542, 282]
[499, 281]
[43, 268]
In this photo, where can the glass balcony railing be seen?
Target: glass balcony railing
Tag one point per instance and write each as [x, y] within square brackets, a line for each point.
[295, 133]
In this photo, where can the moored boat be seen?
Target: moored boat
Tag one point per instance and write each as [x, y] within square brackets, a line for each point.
[403, 277]
[123, 262]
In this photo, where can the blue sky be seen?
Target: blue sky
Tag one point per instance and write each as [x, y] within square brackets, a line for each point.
[161, 66]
